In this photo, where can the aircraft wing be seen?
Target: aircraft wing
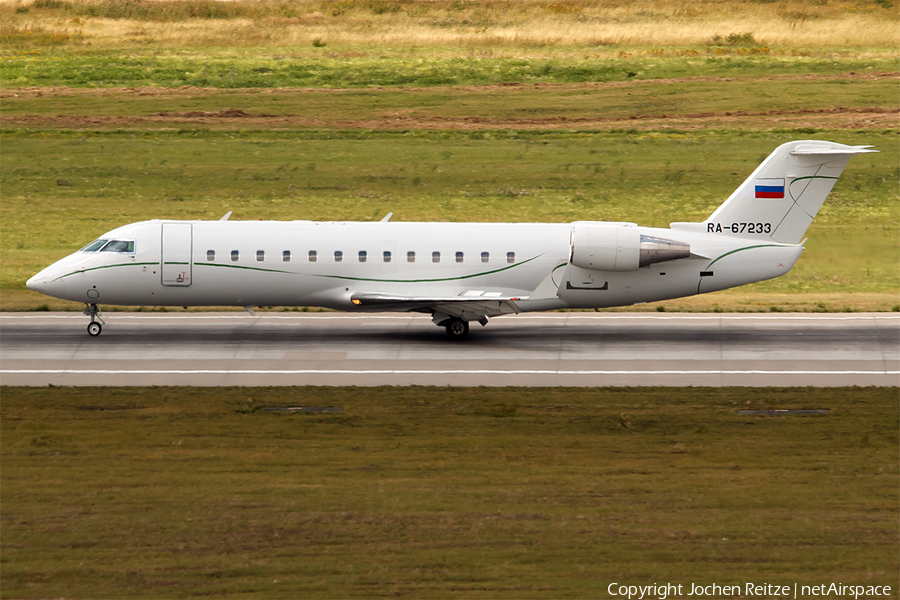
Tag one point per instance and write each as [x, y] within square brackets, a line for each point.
[470, 306]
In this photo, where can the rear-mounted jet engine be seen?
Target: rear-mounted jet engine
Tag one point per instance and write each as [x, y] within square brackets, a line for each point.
[621, 247]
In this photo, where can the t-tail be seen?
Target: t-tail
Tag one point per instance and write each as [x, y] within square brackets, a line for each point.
[782, 196]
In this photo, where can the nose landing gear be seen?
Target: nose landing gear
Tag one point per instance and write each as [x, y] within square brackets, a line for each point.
[96, 325]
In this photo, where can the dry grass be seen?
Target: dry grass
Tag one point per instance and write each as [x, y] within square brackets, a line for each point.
[448, 26]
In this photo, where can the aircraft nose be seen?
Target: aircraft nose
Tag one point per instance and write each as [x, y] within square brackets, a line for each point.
[38, 283]
[48, 283]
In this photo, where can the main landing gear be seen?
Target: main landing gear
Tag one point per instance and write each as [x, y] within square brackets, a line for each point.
[457, 328]
[96, 325]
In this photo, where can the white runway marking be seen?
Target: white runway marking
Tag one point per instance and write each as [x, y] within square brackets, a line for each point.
[416, 372]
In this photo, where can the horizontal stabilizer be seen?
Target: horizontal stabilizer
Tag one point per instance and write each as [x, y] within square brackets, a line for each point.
[822, 149]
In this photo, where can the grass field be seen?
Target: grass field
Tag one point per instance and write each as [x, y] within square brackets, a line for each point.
[449, 26]
[105, 43]
[786, 101]
[427, 492]
[233, 70]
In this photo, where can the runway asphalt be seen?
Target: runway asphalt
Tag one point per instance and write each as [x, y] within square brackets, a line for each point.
[535, 349]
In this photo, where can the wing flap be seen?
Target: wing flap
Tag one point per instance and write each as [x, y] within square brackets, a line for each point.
[468, 306]
[362, 299]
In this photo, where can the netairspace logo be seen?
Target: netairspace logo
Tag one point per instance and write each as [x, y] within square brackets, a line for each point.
[663, 591]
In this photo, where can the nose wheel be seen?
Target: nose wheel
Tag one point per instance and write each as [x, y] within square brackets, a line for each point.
[96, 325]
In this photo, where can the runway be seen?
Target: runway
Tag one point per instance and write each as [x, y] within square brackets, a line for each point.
[535, 349]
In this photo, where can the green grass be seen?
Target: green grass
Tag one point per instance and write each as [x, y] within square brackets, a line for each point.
[62, 189]
[327, 68]
[427, 492]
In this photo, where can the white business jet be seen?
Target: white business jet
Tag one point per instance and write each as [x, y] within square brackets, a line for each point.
[457, 272]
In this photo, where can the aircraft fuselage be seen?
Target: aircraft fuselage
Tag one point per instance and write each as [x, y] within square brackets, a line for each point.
[303, 263]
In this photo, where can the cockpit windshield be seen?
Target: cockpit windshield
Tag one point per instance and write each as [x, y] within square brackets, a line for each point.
[94, 246]
[101, 245]
[119, 246]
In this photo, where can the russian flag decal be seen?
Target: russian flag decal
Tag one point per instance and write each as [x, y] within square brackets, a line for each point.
[770, 188]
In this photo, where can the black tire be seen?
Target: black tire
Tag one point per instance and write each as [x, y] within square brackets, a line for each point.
[457, 328]
[94, 329]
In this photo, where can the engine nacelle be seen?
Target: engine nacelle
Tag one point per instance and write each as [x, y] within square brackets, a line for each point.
[608, 247]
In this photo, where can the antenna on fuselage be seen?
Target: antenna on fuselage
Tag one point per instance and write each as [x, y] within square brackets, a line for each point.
[387, 217]
[225, 218]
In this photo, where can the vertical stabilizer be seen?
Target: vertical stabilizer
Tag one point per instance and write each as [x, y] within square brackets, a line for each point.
[782, 196]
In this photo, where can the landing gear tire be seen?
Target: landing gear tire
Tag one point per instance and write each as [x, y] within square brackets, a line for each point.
[95, 326]
[457, 328]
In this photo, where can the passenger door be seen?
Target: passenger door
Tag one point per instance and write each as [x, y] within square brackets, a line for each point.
[177, 259]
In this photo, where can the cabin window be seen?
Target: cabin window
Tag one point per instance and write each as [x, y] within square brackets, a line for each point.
[313, 255]
[410, 256]
[387, 256]
[235, 255]
[510, 257]
[459, 257]
[362, 256]
[260, 255]
[485, 257]
[286, 256]
[94, 246]
[435, 257]
[338, 256]
[119, 246]
[210, 255]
